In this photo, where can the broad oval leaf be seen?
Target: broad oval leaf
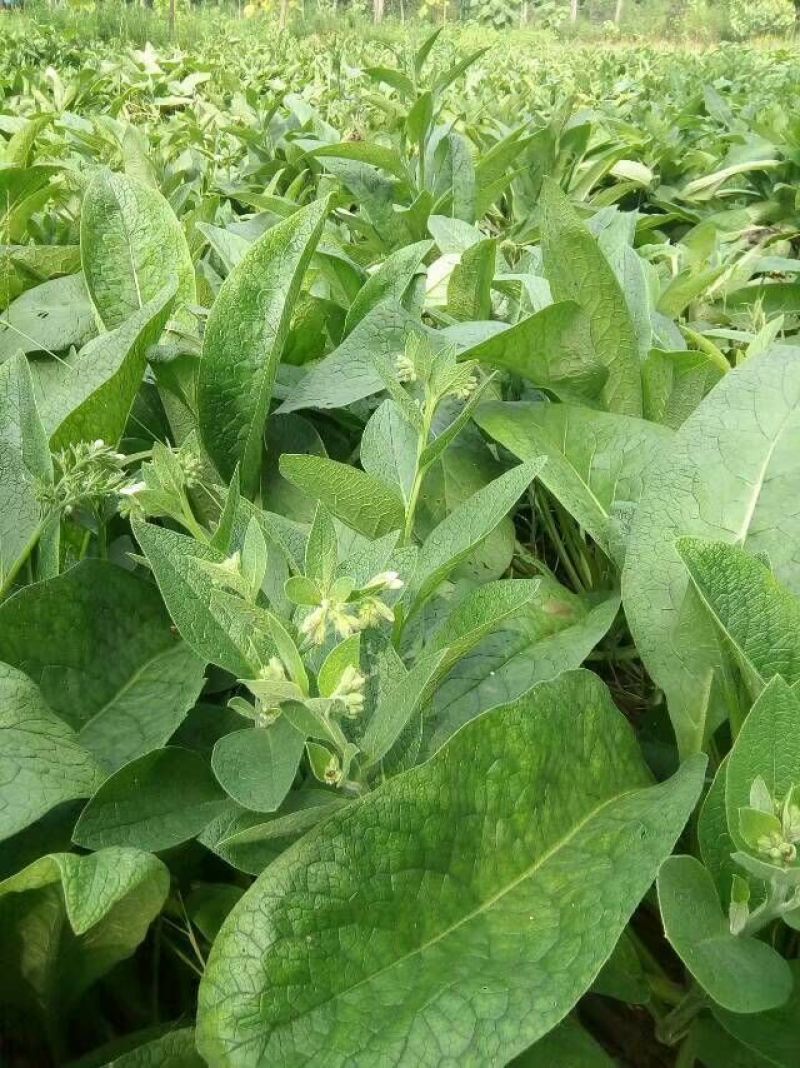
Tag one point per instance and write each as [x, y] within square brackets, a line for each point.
[245, 333]
[99, 643]
[42, 763]
[727, 475]
[577, 270]
[156, 802]
[758, 616]
[772, 1034]
[739, 972]
[448, 893]
[132, 247]
[256, 766]
[597, 462]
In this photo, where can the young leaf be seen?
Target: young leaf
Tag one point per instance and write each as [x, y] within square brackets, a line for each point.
[156, 802]
[257, 766]
[244, 337]
[767, 748]
[356, 498]
[740, 973]
[132, 248]
[572, 849]
[736, 451]
[469, 289]
[322, 549]
[577, 270]
[204, 623]
[389, 448]
[42, 763]
[344, 655]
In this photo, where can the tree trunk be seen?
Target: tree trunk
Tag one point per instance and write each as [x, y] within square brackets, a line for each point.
[284, 14]
[573, 11]
[377, 11]
[618, 11]
[172, 18]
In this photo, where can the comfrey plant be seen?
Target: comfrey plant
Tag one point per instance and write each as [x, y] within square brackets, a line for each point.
[398, 621]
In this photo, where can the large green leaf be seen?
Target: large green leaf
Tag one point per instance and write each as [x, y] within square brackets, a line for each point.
[42, 763]
[739, 972]
[244, 337]
[758, 616]
[100, 645]
[552, 349]
[24, 461]
[155, 802]
[48, 318]
[772, 1034]
[727, 476]
[566, 1046]
[447, 895]
[65, 920]
[597, 462]
[555, 632]
[577, 270]
[90, 394]
[132, 247]
[174, 1049]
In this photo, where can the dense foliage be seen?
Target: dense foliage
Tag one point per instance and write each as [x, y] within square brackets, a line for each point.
[399, 555]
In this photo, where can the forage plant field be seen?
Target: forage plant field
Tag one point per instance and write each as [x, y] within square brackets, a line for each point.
[399, 552]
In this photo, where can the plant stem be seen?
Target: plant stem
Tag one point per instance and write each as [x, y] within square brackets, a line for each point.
[563, 555]
[419, 472]
[10, 577]
[675, 1026]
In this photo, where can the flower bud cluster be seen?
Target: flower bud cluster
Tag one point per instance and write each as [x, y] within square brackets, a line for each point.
[85, 474]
